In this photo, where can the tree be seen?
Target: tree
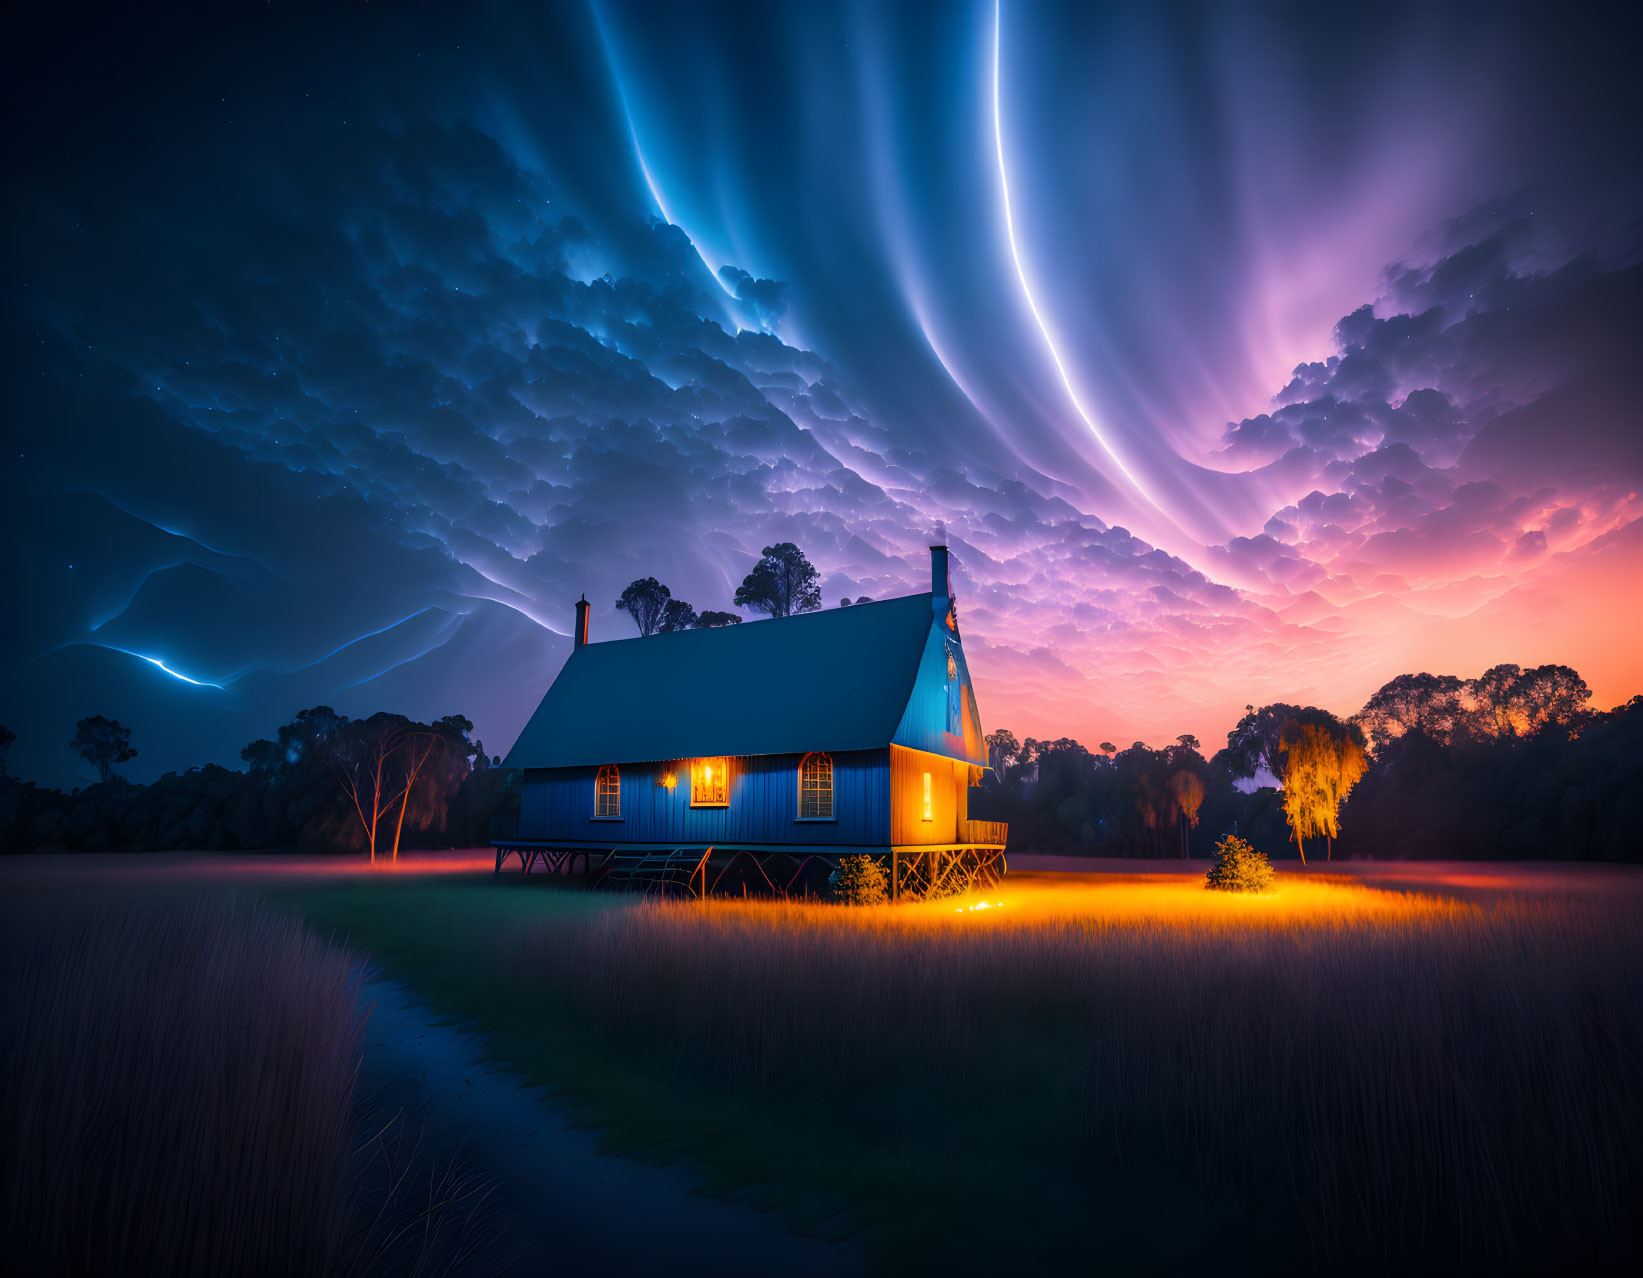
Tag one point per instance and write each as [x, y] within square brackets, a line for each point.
[365, 758]
[1150, 792]
[1007, 757]
[1108, 749]
[311, 734]
[1187, 787]
[7, 736]
[102, 743]
[1431, 705]
[1320, 769]
[1188, 742]
[262, 755]
[1549, 696]
[676, 615]
[782, 583]
[1346, 769]
[388, 762]
[1255, 742]
[1494, 694]
[711, 620]
[645, 600]
[433, 764]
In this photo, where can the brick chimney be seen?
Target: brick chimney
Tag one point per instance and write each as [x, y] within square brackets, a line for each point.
[581, 635]
[939, 585]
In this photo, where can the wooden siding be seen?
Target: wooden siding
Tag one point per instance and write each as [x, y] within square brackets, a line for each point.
[557, 803]
[941, 716]
[949, 793]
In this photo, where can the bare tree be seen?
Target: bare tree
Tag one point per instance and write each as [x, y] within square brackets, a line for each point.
[434, 763]
[365, 755]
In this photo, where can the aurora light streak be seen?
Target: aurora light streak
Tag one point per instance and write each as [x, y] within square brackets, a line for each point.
[1240, 360]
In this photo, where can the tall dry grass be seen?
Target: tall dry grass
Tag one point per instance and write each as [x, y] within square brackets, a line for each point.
[179, 1091]
[179, 1086]
[1387, 1082]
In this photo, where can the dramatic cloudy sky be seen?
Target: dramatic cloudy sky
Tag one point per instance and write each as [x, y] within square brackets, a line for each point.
[1241, 353]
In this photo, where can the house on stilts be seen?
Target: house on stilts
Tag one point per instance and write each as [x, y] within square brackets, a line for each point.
[753, 757]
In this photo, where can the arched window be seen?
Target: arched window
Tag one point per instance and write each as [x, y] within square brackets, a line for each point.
[607, 792]
[816, 787]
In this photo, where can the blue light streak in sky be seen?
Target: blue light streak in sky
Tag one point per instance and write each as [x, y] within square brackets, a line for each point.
[370, 634]
[644, 168]
[176, 674]
[153, 661]
[1026, 288]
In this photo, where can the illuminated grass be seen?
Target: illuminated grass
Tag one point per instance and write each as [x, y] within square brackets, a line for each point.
[1327, 1076]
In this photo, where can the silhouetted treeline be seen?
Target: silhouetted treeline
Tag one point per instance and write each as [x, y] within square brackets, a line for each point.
[1510, 764]
[316, 785]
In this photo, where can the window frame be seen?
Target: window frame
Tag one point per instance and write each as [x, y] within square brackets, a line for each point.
[721, 788]
[929, 797]
[600, 793]
[831, 814]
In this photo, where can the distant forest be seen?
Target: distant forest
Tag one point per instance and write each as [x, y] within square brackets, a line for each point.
[1512, 764]
[380, 785]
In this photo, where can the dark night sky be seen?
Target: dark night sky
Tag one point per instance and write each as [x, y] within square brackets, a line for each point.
[1243, 353]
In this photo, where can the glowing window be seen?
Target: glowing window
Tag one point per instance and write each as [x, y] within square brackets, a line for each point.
[952, 668]
[929, 800]
[816, 786]
[709, 783]
[607, 792]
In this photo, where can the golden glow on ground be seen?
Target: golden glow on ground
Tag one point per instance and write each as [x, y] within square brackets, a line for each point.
[1083, 904]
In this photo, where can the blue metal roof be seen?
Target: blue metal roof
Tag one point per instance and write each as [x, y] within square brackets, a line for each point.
[834, 679]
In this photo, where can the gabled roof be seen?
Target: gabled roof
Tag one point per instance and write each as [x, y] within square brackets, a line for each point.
[834, 679]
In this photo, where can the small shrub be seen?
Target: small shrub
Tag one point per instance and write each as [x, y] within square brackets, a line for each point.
[1239, 867]
[861, 880]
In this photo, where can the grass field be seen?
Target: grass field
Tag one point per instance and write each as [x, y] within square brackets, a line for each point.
[180, 1097]
[1120, 1073]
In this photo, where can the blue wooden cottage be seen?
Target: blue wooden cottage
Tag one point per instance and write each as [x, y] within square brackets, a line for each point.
[780, 744]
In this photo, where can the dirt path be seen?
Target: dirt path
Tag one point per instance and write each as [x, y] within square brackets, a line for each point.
[568, 1209]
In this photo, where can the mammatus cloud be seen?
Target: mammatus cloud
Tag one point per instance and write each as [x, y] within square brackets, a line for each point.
[349, 408]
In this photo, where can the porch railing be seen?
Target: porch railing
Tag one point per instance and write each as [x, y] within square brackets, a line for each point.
[985, 832]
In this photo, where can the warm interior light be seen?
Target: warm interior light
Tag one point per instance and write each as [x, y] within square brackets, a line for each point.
[929, 802]
[669, 780]
[709, 782]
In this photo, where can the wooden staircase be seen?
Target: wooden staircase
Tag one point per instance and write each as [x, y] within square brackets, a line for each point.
[676, 871]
